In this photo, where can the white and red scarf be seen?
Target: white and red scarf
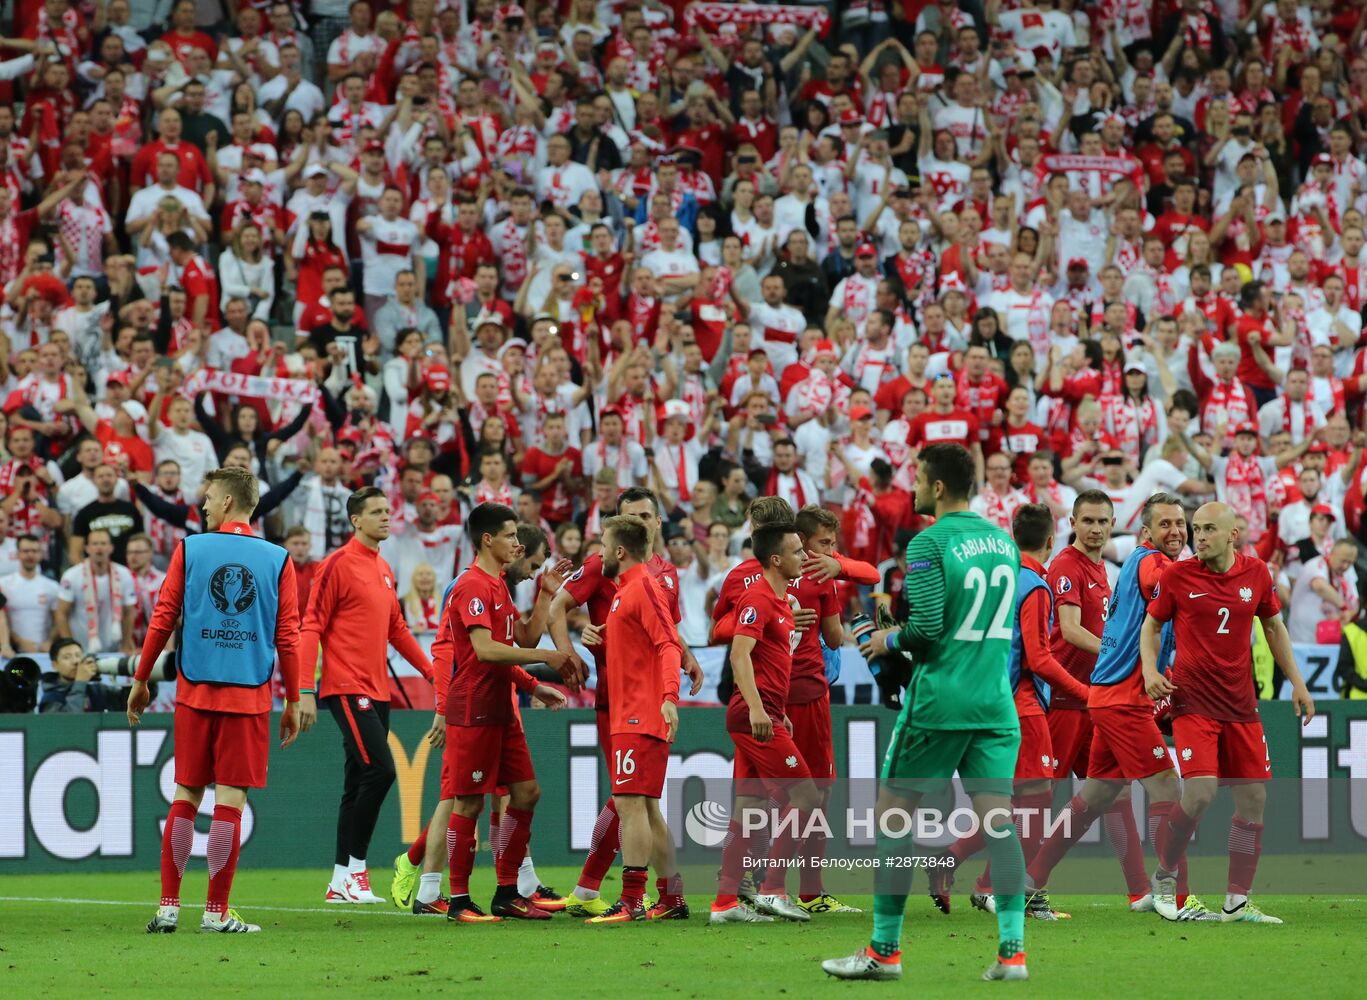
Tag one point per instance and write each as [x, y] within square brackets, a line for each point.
[91, 599]
[1246, 492]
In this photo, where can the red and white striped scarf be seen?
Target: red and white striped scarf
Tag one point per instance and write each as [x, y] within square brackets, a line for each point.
[1228, 404]
[1246, 492]
[1133, 425]
[91, 598]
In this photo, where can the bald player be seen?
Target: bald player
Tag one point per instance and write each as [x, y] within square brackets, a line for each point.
[1211, 601]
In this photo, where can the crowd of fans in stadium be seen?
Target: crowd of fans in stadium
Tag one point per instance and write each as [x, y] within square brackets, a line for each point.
[540, 253]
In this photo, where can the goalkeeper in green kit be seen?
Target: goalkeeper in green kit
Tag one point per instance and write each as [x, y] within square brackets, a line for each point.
[958, 713]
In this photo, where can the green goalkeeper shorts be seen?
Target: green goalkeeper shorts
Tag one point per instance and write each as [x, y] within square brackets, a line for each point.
[924, 760]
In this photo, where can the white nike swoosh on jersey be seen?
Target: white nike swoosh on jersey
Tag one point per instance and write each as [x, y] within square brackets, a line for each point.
[621, 781]
[1090, 586]
[1190, 596]
[498, 607]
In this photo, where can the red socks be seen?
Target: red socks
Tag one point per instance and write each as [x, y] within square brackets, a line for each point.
[813, 853]
[418, 849]
[602, 848]
[1030, 821]
[225, 834]
[176, 840]
[633, 886]
[1245, 846]
[1069, 831]
[460, 852]
[1123, 834]
[1173, 835]
[781, 851]
[516, 830]
[737, 848]
[670, 890]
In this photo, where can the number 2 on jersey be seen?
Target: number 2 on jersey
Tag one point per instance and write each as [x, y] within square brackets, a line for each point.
[1003, 581]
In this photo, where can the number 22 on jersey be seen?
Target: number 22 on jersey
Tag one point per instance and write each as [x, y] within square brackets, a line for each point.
[1002, 589]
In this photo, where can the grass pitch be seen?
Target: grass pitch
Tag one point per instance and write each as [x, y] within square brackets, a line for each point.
[82, 935]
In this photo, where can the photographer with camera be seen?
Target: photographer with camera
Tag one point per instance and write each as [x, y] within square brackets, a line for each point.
[72, 685]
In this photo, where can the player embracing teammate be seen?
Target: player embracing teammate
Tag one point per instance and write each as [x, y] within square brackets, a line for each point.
[1082, 600]
[813, 596]
[1211, 601]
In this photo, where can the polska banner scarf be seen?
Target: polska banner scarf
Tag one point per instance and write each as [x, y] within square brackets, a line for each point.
[1068, 163]
[285, 390]
[714, 16]
[91, 596]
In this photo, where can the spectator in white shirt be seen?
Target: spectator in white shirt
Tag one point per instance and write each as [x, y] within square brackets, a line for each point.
[30, 600]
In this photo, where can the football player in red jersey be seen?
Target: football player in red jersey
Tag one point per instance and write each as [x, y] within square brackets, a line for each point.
[768, 763]
[809, 697]
[646, 655]
[1212, 601]
[1082, 598]
[590, 586]
[485, 744]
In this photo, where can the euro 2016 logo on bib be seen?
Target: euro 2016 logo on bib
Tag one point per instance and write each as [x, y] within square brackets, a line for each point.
[232, 589]
[476, 607]
[748, 616]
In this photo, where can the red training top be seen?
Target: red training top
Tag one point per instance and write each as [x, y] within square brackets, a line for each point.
[1036, 656]
[645, 655]
[354, 605]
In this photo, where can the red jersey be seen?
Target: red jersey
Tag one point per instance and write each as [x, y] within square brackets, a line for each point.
[194, 169]
[808, 682]
[479, 693]
[955, 427]
[557, 504]
[353, 593]
[589, 587]
[733, 587]
[294, 672]
[1245, 328]
[644, 657]
[1212, 615]
[765, 617]
[1076, 580]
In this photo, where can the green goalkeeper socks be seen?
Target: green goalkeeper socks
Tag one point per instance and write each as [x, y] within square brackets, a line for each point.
[888, 911]
[1008, 883]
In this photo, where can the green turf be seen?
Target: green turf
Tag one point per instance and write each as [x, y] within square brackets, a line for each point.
[53, 949]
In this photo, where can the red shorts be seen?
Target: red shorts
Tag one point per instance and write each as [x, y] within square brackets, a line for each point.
[1070, 732]
[478, 759]
[812, 734]
[1126, 744]
[765, 768]
[638, 764]
[604, 721]
[1035, 761]
[221, 748]
[1213, 748]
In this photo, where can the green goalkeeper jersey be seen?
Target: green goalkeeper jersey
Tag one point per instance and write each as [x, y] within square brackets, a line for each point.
[961, 590]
